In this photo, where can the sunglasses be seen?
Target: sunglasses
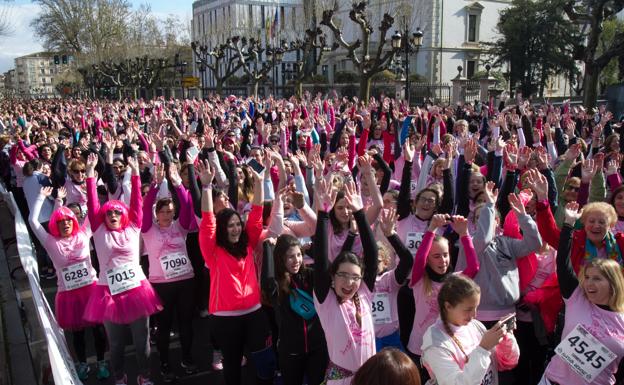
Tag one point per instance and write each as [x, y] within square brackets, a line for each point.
[111, 213]
[81, 170]
[572, 188]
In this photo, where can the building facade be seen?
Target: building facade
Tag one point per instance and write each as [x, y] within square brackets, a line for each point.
[214, 21]
[35, 73]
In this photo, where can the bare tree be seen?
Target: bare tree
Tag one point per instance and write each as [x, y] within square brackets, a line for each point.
[366, 63]
[6, 28]
[218, 61]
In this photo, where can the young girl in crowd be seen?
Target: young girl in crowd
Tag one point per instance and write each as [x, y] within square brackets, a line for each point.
[457, 349]
[342, 302]
[123, 298]
[289, 283]
[67, 243]
[432, 265]
[237, 320]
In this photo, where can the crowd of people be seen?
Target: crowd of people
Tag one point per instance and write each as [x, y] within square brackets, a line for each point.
[329, 240]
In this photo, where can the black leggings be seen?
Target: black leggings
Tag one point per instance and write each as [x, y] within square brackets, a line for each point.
[312, 364]
[532, 361]
[177, 299]
[235, 335]
[80, 346]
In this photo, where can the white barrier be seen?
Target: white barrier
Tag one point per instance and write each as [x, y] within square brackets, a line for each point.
[61, 362]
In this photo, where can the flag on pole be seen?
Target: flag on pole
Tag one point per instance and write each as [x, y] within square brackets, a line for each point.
[268, 29]
[275, 25]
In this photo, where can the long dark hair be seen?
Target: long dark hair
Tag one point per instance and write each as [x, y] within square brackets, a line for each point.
[283, 277]
[238, 249]
[349, 257]
[336, 225]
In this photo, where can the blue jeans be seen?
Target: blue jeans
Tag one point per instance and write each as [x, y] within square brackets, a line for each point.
[390, 341]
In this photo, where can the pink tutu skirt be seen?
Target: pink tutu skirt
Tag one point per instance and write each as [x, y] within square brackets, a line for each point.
[122, 308]
[69, 307]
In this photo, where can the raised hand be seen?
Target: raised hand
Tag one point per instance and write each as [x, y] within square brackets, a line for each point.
[61, 193]
[46, 191]
[92, 161]
[437, 221]
[365, 164]
[387, 221]
[134, 165]
[408, 151]
[612, 167]
[538, 183]
[491, 192]
[174, 175]
[353, 196]
[572, 213]
[588, 170]
[459, 224]
[205, 172]
[516, 204]
[573, 152]
[325, 194]
[159, 173]
[470, 151]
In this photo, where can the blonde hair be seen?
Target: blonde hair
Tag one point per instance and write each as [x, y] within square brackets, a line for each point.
[612, 271]
[384, 254]
[602, 208]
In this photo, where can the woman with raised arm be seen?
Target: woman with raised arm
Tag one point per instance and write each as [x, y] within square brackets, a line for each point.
[238, 322]
[67, 244]
[342, 303]
[170, 270]
[594, 311]
[123, 298]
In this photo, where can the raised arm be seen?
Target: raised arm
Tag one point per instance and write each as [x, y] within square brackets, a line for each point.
[93, 203]
[148, 204]
[460, 226]
[322, 280]
[568, 281]
[135, 213]
[36, 227]
[403, 204]
[369, 246]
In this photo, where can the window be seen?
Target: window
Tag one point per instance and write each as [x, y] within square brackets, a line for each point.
[470, 68]
[472, 28]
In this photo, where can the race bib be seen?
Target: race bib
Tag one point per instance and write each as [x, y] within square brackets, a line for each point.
[175, 265]
[77, 275]
[381, 309]
[489, 377]
[123, 278]
[413, 188]
[584, 353]
[413, 241]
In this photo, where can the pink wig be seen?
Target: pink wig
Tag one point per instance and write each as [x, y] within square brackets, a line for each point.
[61, 214]
[117, 205]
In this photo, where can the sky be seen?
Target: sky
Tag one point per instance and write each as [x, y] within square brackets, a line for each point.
[23, 41]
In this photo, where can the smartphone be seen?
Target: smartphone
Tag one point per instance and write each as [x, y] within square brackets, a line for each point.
[509, 321]
[255, 165]
[192, 152]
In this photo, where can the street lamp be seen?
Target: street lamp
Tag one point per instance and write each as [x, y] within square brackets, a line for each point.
[180, 66]
[410, 45]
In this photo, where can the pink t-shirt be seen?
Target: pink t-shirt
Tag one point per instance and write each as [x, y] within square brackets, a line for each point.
[337, 240]
[606, 326]
[619, 227]
[427, 312]
[387, 286]
[116, 248]
[76, 193]
[411, 230]
[348, 344]
[167, 242]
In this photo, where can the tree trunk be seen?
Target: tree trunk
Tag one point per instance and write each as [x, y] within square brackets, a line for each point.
[218, 86]
[255, 89]
[590, 86]
[299, 88]
[365, 88]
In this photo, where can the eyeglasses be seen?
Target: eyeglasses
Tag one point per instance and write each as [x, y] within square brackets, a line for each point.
[427, 200]
[111, 213]
[349, 277]
[274, 141]
[79, 171]
[572, 188]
